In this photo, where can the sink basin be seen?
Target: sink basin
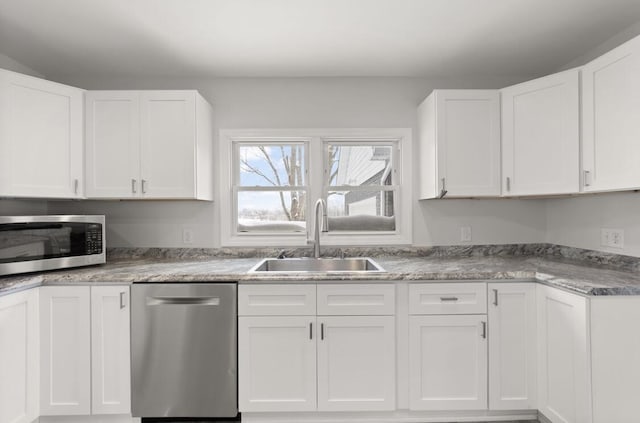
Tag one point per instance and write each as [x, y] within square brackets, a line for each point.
[319, 265]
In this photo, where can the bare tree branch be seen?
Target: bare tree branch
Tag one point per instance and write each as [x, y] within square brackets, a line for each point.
[257, 171]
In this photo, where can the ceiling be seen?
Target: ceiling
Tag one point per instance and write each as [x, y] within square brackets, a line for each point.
[296, 38]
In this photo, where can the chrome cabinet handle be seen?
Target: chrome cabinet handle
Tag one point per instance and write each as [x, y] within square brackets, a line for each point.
[310, 330]
[508, 183]
[448, 298]
[484, 330]
[495, 297]
[322, 331]
[587, 178]
[123, 303]
[133, 186]
[75, 186]
[443, 192]
[144, 186]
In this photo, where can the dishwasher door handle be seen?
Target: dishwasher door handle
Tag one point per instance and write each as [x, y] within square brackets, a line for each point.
[207, 301]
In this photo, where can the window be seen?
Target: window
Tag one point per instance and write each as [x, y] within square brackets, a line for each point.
[271, 187]
[360, 186]
[275, 177]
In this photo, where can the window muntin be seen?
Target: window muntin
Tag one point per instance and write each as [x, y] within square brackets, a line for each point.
[360, 188]
[271, 187]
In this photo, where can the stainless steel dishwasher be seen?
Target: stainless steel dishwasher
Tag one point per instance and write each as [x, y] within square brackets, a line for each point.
[184, 350]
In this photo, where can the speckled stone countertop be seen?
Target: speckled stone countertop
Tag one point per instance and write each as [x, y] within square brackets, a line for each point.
[574, 274]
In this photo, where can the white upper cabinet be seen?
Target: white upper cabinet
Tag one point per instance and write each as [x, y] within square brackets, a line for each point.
[541, 136]
[41, 143]
[610, 128]
[112, 137]
[149, 145]
[460, 144]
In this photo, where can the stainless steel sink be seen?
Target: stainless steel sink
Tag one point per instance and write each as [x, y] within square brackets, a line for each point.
[317, 265]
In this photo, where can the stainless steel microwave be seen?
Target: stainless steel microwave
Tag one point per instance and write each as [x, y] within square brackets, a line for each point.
[37, 243]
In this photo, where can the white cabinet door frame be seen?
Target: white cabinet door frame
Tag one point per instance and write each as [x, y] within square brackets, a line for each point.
[112, 136]
[41, 138]
[610, 109]
[356, 363]
[65, 384]
[541, 135]
[168, 139]
[460, 144]
[512, 346]
[277, 363]
[110, 350]
[19, 366]
[564, 376]
[448, 362]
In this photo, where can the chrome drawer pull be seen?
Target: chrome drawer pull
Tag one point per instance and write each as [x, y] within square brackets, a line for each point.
[448, 298]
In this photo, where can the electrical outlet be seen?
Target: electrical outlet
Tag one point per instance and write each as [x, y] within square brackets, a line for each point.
[187, 236]
[612, 238]
[465, 233]
[617, 238]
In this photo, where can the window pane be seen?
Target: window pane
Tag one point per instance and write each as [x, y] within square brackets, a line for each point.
[274, 211]
[271, 165]
[360, 165]
[362, 210]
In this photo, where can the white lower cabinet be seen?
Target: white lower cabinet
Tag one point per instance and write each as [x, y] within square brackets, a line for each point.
[295, 363]
[110, 350]
[85, 366]
[65, 377]
[448, 362]
[512, 346]
[277, 363]
[356, 363]
[564, 379]
[19, 354]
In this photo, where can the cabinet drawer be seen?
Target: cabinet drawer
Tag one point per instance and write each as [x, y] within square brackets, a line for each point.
[448, 298]
[365, 299]
[277, 300]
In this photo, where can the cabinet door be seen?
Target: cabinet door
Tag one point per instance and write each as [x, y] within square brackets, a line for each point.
[356, 363]
[541, 135]
[110, 350]
[19, 367]
[168, 125]
[460, 131]
[564, 388]
[610, 110]
[512, 346]
[41, 142]
[113, 144]
[448, 362]
[277, 363]
[65, 379]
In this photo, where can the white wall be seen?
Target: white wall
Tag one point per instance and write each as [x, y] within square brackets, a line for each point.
[577, 221]
[312, 103]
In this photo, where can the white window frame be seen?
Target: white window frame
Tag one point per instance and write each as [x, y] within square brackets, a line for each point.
[316, 141]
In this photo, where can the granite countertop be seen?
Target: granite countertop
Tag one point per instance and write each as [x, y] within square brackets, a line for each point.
[586, 279]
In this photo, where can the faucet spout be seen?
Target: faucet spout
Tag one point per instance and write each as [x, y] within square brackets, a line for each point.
[321, 223]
